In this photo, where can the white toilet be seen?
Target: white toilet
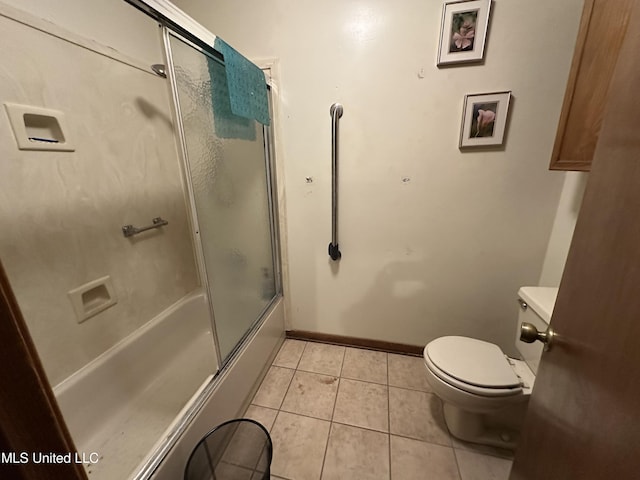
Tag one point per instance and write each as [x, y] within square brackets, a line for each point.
[485, 393]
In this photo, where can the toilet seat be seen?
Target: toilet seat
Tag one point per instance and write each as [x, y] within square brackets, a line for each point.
[472, 365]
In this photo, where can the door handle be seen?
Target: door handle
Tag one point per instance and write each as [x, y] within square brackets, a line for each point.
[529, 334]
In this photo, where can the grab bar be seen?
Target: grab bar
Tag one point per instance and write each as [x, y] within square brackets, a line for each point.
[336, 112]
[130, 230]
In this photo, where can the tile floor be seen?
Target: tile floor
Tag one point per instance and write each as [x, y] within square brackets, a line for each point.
[347, 413]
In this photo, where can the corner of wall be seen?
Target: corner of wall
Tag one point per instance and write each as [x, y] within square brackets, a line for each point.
[563, 227]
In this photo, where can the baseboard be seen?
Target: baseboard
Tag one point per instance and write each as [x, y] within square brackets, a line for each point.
[380, 345]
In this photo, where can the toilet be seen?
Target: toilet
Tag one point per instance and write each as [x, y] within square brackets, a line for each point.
[485, 392]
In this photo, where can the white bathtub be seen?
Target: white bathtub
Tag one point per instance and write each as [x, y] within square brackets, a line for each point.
[125, 402]
[229, 394]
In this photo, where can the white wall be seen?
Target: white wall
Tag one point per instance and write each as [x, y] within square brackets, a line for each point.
[563, 227]
[434, 241]
[61, 213]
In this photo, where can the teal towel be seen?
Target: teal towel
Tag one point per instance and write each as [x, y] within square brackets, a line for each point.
[226, 124]
[247, 87]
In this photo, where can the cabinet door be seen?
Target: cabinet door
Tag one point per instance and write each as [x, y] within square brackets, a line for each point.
[602, 31]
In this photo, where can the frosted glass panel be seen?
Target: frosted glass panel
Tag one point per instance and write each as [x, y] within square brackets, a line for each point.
[226, 157]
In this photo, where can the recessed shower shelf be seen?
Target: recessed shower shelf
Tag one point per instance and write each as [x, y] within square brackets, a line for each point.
[92, 298]
[37, 128]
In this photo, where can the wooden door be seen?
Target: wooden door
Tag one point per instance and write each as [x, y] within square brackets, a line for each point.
[30, 419]
[583, 421]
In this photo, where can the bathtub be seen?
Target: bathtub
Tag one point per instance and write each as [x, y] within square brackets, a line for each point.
[123, 404]
[227, 396]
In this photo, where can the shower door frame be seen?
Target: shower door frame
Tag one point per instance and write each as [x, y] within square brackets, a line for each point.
[175, 22]
[156, 457]
[185, 167]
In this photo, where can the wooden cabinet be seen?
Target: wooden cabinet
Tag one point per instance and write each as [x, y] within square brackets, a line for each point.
[600, 36]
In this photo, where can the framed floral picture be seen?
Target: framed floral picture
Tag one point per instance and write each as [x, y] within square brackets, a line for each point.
[463, 31]
[484, 119]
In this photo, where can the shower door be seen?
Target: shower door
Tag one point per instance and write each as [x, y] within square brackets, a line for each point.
[227, 172]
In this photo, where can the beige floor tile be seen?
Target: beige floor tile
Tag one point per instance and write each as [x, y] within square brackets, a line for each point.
[232, 472]
[299, 445]
[290, 353]
[475, 466]
[362, 404]
[311, 394]
[417, 415]
[322, 358]
[265, 416]
[274, 387]
[408, 372]
[365, 365]
[483, 449]
[416, 460]
[355, 453]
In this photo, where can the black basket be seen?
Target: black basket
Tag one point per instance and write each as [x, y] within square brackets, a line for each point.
[239, 448]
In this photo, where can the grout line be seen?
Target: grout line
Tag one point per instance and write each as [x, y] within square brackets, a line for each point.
[422, 440]
[455, 456]
[355, 426]
[318, 373]
[304, 415]
[411, 388]
[267, 408]
[344, 354]
[288, 387]
[357, 380]
[386, 368]
[253, 399]
[302, 353]
[335, 401]
[326, 449]
[370, 429]
[333, 411]
[273, 447]
[365, 381]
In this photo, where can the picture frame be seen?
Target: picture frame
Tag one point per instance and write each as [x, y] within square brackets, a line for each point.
[463, 31]
[484, 119]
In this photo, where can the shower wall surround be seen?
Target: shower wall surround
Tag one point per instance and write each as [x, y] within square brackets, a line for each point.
[106, 22]
[435, 241]
[61, 213]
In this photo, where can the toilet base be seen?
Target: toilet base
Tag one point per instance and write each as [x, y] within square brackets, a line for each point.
[500, 430]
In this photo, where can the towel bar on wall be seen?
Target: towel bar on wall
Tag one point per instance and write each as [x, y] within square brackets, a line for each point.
[336, 112]
[130, 230]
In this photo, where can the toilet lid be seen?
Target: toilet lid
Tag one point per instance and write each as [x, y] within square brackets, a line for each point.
[472, 361]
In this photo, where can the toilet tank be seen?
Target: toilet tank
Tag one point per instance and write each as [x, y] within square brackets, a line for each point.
[536, 307]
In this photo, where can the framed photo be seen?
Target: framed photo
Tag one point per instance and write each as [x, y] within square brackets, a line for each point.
[484, 119]
[463, 31]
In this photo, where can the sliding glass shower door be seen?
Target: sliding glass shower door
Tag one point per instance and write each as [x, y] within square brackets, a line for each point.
[228, 176]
